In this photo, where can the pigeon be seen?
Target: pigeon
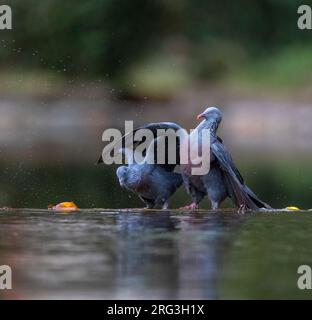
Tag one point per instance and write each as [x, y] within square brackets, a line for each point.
[223, 179]
[154, 184]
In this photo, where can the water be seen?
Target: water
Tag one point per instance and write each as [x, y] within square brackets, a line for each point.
[137, 254]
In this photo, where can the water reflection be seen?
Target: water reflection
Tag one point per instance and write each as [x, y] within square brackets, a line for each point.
[113, 254]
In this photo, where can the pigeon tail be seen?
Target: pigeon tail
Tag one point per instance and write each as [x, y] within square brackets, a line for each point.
[241, 195]
[258, 202]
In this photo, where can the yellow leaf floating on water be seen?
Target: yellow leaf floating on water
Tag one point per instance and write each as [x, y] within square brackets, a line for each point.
[292, 208]
[64, 207]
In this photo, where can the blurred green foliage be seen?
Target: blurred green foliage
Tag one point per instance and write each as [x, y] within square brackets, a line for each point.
[109, 37]
[285, 69]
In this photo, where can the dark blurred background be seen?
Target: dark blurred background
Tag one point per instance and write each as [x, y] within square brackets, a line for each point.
[70, 69]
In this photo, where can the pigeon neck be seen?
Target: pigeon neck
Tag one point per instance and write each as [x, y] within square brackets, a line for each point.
[133, 177]
[211, 125]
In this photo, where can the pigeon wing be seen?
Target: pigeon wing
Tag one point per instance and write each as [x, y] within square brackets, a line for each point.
[126, 141]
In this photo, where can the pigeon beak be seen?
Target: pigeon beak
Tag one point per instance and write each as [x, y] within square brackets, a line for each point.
[200, 117]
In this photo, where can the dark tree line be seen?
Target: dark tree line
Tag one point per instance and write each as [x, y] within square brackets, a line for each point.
[105, 37]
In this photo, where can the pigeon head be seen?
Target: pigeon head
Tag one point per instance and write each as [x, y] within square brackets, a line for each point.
[211, 114]
[122, 175]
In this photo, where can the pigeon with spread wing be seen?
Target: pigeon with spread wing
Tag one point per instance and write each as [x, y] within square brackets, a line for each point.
[153, 183]
[221, 181]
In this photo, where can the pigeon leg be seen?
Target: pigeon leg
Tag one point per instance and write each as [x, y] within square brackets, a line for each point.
[192, 206]
[242, 209]
[196, 195]
[149, 203]
[214, 205]
[165, 205]
[163, 202]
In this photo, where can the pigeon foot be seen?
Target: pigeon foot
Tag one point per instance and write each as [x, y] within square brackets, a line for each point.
[192, 206]
[242, 209]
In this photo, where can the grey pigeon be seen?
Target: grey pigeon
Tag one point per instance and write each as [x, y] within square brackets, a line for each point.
[154, 184]
[223, 180]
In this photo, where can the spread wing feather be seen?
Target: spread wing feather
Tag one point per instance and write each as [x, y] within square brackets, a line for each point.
[126, 141]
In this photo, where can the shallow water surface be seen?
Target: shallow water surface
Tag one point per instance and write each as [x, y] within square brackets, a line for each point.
[137, 254]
